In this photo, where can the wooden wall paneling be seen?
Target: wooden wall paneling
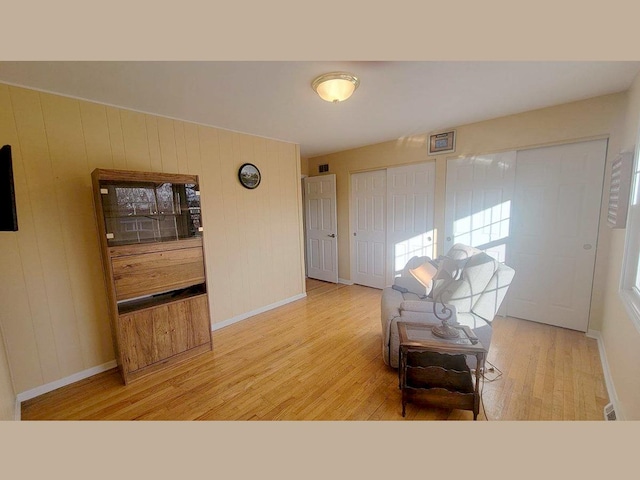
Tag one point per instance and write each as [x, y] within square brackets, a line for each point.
[167, 137]
[220, 225]
[21, 344]
[233, 218]
[249, 200]
[300, 286]
[192, 143]
[226, 299]
[246, 226]
[95, 128]
[81, 253]
[281, 212]
[270, 216]
[136, 140]
[153, 139]
[276, 212]
[291, 230]
[50, 302]
[15, 315]
[181, 147]
[115, 137]
[264, 260]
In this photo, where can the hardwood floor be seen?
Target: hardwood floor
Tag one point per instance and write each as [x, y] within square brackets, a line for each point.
[319, 358]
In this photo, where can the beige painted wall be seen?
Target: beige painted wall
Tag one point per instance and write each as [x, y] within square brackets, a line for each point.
[54, 312]
[7, 395]
[588, 119]
[620, 336]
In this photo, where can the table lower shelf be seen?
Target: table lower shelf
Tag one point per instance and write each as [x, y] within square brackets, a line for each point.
[439, 380]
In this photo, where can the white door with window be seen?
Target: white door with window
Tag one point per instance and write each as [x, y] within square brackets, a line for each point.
[321, 227]
[410, 215]
[368, 228]
[556, 215]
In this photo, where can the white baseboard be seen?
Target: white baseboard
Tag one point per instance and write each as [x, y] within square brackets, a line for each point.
[608, 379]
[49, 387]
[244, 316]
[345, 282]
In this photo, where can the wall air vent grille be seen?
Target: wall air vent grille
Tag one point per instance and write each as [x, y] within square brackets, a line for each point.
[323, 168]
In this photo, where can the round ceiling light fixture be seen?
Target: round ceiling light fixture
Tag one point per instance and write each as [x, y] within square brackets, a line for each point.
[335, 86]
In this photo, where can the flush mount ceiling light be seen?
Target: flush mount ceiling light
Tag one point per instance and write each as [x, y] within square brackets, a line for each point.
[335, 86]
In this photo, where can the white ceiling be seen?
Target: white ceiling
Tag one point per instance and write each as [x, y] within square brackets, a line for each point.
[275, 100]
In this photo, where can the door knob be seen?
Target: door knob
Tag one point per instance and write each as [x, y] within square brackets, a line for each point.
[333, 235]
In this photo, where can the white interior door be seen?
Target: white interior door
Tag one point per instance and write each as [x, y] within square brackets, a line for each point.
[321, 227]
[410, 212]
[556, 216]
[479, 200]
[368, 243]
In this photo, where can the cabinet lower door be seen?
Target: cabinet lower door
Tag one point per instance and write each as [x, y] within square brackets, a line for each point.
[156, 334]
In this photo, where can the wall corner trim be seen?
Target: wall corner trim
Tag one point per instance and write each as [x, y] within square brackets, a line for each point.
[608, 379]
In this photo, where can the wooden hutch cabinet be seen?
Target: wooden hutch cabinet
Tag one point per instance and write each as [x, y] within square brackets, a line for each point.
[151, 238]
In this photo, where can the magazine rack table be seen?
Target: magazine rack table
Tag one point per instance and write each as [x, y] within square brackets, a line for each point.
[434, 370]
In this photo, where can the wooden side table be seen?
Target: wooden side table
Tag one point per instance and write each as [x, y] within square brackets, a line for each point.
[434, 370]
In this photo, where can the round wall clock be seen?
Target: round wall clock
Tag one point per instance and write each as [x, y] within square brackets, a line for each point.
[249, 175]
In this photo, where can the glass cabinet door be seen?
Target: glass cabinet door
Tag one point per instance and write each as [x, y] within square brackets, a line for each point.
[140, 212]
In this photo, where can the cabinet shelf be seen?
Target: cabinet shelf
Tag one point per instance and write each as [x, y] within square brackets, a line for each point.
[139, 304]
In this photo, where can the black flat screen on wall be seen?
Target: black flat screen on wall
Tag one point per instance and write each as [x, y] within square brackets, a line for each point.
[8, 216]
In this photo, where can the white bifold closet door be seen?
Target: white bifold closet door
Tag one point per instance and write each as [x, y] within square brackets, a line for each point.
[558, 195]
[538, 211]
[392, 214]
[368, 226]
[410, 215]
[479, 201]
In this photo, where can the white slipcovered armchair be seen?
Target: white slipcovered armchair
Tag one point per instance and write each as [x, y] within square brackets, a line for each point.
[469, 281]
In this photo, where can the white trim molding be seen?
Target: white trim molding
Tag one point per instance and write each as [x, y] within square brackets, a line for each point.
[608, 380]
[244, 316]
[49, 387]
[345, 282]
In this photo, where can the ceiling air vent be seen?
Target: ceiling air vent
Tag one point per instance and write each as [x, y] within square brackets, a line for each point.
[323, 168]
[609, 412]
